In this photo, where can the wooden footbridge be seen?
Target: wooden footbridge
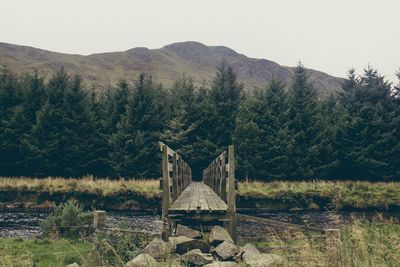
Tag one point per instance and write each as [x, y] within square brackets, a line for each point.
[211, 201]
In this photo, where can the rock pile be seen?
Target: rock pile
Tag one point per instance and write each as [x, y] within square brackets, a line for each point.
[218, 251]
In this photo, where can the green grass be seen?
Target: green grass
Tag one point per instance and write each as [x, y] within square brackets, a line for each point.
[18, 252]
[363, 243]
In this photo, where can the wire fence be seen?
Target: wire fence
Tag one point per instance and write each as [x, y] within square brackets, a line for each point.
[299, 243]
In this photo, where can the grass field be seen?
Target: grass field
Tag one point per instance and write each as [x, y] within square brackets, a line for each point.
[18, 252]
[363, 243]
[123, 194]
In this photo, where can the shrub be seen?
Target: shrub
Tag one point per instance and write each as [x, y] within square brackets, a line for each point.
[68, 220]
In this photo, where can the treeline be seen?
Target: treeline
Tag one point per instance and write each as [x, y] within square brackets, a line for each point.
[59, 128]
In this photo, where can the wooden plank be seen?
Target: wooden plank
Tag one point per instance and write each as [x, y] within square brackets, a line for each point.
[198, 195]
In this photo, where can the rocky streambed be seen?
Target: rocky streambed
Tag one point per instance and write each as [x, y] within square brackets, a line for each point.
[26, 224]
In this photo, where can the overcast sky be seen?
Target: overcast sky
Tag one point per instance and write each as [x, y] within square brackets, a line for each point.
[330, 36]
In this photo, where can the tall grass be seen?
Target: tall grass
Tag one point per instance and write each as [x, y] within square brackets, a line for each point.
[337, 195]
[103, 187]
[363, 243]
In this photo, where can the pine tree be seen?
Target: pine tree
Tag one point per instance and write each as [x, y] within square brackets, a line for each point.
[303, 125]
[47, 147]
[10, 124]
[135, 147]
[225, 98]
[182, 127]
[78, 130]
[261, 134]
[99, 163]
[368, 144]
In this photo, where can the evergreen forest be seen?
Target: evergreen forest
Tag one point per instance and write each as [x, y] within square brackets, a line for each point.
[54, 126]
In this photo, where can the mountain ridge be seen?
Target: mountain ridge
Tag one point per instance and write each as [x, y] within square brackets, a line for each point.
[165, 64]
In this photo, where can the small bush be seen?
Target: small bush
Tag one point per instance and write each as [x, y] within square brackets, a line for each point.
[117, 248]
[68, 220]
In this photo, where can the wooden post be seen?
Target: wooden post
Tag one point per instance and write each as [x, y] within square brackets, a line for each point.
[333, 247]
[174, 177]
[232, 195]
[99, 219]
[166, 194]
[223, 177]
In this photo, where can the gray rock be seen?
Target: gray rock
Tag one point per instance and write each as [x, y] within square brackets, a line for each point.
[142, 260]
[158, 249]
[219, 235]
[256, 259]
[196, 257]
[226, 251]
[73, 265]
[221, 264]
[250, 248]
[182, 230]
[183, 244]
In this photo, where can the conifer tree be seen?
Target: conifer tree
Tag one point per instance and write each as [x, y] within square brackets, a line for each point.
[10, 119]
[303, 125]
[225, 98]
[135, 147]
[46, 143]
[261, 134]
[182, 128]
[367, 142]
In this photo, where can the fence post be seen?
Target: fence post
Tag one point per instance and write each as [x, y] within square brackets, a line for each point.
[232, 194]
[166, 194]
[99, 219]
[333, 247]
[175, 178]
[223, 177]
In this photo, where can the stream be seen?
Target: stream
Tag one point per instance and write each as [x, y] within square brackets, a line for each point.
[26, 224]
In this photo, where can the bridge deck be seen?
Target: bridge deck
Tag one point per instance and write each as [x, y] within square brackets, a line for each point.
[198, 197]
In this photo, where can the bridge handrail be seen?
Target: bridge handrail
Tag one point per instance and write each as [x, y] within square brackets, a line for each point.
[177, 174]
[220, 177]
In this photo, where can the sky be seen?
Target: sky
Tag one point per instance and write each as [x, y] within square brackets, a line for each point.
[331, 36]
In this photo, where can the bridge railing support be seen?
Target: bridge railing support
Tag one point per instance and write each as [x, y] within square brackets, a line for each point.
[220, 176]
[176, 176]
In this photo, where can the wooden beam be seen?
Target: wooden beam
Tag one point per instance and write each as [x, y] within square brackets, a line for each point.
[174, 178]
[232, 195]
[166, 201]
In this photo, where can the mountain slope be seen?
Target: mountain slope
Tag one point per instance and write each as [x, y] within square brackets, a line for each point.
[165, 64]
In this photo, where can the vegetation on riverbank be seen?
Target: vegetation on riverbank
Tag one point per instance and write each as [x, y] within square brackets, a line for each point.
[314, 195]
[44, 252]
[146, 195]
[362, 243]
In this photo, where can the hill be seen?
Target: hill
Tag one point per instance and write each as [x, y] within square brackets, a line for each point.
[165, 64]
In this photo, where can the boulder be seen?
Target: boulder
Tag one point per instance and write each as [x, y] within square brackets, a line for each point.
[142, 260]
[222, 264]
[196, 258]
[226, 251]
[253, 258]
[73, 265]
[250, 248]
[183, 244]
[158, 249]
[182, 230]
[219, 235]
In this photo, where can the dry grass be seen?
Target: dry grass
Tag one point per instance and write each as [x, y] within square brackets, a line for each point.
[103, 187]
[340, 194]
[362, 243]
